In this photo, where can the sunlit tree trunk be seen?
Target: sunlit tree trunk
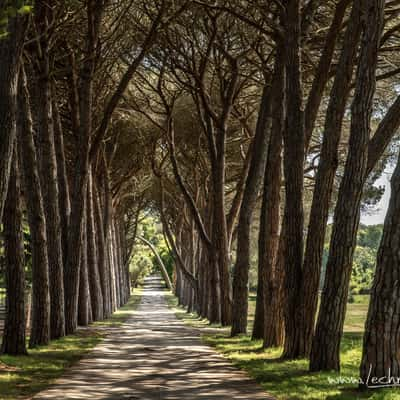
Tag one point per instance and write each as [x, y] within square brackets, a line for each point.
[324, 182]
[325, 352]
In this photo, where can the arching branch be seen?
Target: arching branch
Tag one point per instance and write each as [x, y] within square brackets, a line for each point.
[160, 262]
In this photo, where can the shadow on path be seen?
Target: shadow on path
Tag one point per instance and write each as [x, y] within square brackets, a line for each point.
[154, 356]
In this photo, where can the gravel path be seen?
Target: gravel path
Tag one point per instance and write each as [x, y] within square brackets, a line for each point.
[154, 356]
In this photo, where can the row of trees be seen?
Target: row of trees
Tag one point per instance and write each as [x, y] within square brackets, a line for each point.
[269, 116]
[232, 121]
[64, 69]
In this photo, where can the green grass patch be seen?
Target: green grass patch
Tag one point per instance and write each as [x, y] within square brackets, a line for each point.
[191, 319]
[23, 376]
[290, 380]
[123, 313]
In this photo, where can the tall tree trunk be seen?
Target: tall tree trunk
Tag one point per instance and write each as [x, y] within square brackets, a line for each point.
[267, 319]
[120, 263]
[48, 171]
[325, 352]
[64, 203]
[72, 266]
[214, 293]
[102, 254]
[111, 263]
[220, 251]
[40, 327]
[15, 322]
[115, 252]
[294, 142]
[202, 279]
[84, 295]
[96, 293]
[107, 219]
[205, 262]
[274, 301]
[381, 357]
[324, 182]
[252, 188]
[10, 54]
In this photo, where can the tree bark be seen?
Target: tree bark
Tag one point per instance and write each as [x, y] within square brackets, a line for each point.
[220, 251]
[324, 182]
[252, 188]
[381, 357]
[268, 319]
[48, 170]
[40, 327]
[111, 263]
[15, 323]
[10, 54]
[72, 266]
[96, 293]
[325, 352]
[64, 203]
[294, 142]
[322, 73]
[84, 295]
[102, 254]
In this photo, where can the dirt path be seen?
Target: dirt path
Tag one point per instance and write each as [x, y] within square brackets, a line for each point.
[154, 356]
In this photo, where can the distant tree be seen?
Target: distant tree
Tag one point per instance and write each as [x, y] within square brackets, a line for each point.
[369, 236]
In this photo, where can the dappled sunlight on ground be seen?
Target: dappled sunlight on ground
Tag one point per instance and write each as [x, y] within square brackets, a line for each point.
[154, 356]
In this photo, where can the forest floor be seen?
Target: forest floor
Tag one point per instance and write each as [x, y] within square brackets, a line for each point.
[154, 356]
[23, 376]
[290, 380]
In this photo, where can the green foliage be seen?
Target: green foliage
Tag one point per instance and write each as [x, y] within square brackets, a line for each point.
[166, 257]
[147, 229]
[143, 260]
[368, 239]
[10, 10]
[363, 270]
[141, 264]
[370, 236]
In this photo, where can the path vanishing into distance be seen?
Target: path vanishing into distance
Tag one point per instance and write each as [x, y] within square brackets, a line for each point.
[154, 356]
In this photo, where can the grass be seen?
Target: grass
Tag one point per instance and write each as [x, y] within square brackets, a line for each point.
[290, 380]
[23, 376]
